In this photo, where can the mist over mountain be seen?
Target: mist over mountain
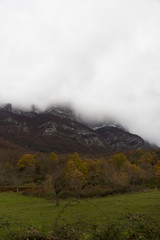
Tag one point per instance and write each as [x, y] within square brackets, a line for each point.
[100, 58]
[60, 130]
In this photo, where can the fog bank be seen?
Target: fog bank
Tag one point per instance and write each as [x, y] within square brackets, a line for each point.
[101, 57]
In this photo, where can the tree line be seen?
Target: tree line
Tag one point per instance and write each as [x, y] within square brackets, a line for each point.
[73, 175]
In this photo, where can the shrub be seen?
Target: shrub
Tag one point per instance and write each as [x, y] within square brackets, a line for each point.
[69, 232]
[25, 234]
[131, 227]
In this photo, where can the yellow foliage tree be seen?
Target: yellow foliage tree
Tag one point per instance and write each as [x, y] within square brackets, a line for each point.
[118, 160]
[134, 172]
[53, 160]
[75, 171]
[27, 160]
[79, 164]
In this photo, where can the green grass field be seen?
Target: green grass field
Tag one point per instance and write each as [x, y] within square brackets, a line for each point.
[41, 213]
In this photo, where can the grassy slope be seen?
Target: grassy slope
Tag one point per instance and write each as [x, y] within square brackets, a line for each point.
[41, 213]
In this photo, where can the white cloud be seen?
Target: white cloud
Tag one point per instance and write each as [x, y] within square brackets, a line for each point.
[102, 56]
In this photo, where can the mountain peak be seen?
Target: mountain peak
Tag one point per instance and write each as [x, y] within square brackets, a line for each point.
[58, 129]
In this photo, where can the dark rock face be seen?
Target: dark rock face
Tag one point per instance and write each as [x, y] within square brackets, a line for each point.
[62, 112]
[120, 140]
[58, 129]
[53, 130]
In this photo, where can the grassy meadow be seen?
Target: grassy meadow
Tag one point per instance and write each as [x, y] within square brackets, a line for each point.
[42, 213]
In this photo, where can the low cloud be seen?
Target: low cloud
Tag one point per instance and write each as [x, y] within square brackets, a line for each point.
[101, 57]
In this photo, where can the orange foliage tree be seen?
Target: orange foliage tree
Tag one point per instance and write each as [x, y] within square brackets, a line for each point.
[157, 170]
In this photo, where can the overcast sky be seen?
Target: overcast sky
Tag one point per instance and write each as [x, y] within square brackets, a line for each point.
[100, 56]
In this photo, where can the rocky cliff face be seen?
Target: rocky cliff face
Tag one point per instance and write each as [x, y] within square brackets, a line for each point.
[57, 129]
[53, 130]
[121, 140]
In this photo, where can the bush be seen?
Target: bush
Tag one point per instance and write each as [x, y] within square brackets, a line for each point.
[69, 232]
[12, 229]
[63, 232]
[25, 234]
[131, 227]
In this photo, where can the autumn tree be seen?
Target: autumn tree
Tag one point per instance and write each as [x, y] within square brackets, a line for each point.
[135, 155]
[6, 172]
[27, 167]
[157, 171]
[55, 174]
[135, 174]
[99, 172]
[75, 171]
[118, 160]
[125, 173]
[27, 160]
